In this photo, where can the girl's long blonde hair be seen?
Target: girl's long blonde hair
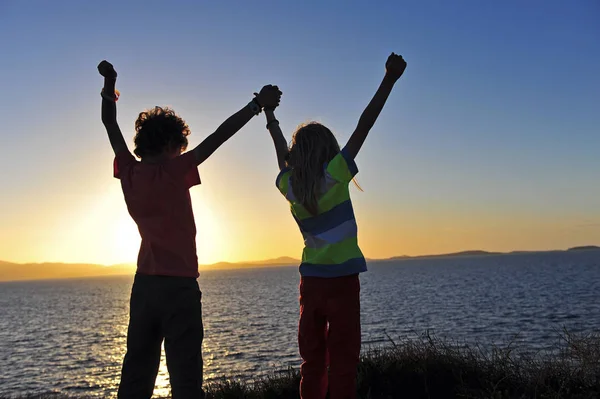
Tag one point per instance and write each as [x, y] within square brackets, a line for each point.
[313, 145]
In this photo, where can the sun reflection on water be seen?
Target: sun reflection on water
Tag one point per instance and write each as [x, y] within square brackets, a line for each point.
[162, 387]
[70, 337]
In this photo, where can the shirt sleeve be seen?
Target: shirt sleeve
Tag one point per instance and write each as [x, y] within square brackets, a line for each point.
[184, 168]
[342, 167]
[282, 181]
[122, 163]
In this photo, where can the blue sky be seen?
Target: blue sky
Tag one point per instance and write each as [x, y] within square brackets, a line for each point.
[489, 140]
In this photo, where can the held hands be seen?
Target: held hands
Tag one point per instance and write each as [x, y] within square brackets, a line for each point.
[107, 70]
[269, 97]
[395, 66]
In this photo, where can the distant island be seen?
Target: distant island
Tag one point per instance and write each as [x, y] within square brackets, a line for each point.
[44, 271]
[584, 248]
[486, 253]
[450, 255]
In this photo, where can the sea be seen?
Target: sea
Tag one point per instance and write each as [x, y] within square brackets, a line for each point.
[68, 336]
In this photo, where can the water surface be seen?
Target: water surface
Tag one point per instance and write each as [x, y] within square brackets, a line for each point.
[69, 336]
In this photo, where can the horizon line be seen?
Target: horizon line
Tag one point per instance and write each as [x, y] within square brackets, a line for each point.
[292, 260]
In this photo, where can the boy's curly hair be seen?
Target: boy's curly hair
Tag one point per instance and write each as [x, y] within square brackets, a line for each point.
[159, 129]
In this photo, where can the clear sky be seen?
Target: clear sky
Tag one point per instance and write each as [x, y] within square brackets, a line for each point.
[489, 141]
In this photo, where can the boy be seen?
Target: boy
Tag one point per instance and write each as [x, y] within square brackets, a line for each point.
[165, 297]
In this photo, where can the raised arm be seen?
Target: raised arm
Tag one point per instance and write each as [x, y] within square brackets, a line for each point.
[269, 97]
[394, 66]
[281, 146]
[109, 107]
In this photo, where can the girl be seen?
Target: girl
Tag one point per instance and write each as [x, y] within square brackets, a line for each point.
[314, 177]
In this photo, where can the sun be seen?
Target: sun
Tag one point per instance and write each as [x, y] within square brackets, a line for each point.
[115, 235]
[103, 232]
[209, 242]
[125, 239]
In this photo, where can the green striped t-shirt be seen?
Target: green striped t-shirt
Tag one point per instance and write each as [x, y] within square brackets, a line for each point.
[330, 237]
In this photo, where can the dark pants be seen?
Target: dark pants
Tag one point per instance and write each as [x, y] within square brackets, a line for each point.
[329, 335]
[166, 308]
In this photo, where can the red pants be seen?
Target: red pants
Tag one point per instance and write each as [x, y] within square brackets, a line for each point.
[329, 335]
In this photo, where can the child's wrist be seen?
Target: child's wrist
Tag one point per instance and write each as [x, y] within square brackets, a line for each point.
[272, 122]
[390, 79]
[257, 101]
[255, 106]
[109, 84]
[110, 94]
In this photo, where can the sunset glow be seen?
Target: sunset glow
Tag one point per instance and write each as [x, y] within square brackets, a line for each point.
[472, 151]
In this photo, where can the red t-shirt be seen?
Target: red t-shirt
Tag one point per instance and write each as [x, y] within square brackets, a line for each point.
[158, 200]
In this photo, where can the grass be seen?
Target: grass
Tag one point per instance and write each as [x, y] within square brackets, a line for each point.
[432, 368]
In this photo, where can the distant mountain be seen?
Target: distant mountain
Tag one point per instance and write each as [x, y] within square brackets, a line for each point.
[282, 261]
[486, 253]
[584, 248]
[450, 255]
[43, 271]
[401, 257]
